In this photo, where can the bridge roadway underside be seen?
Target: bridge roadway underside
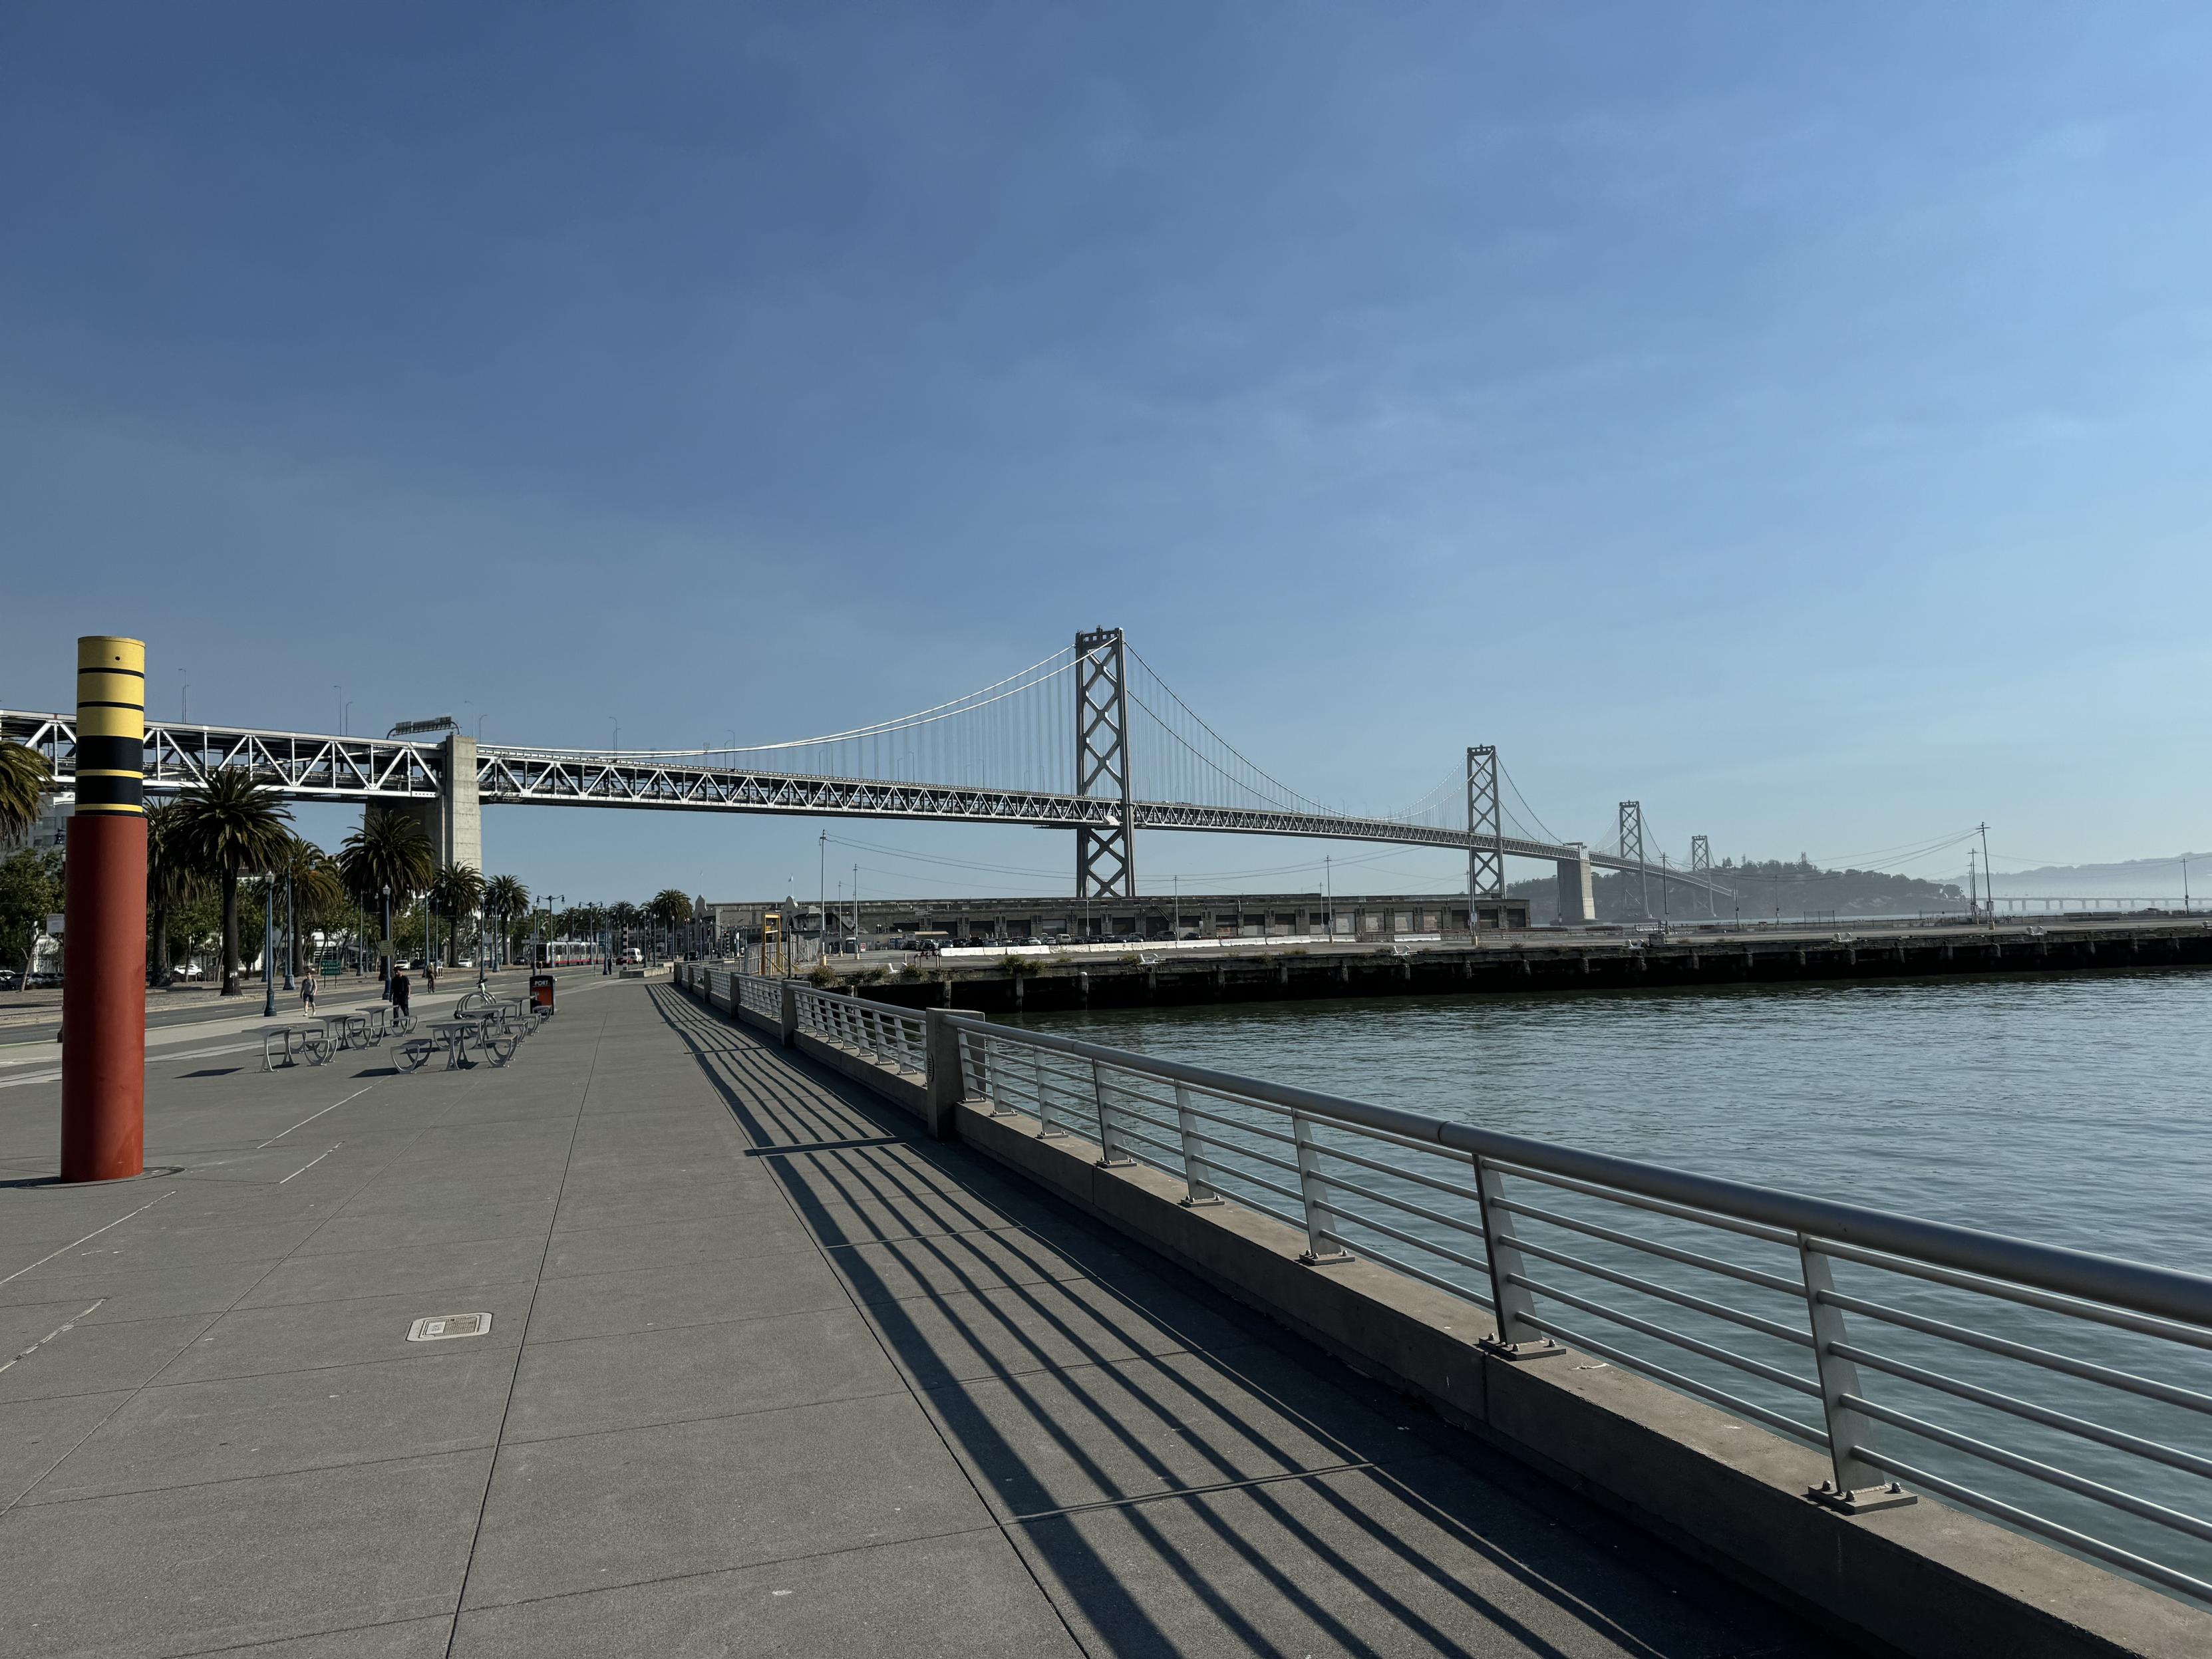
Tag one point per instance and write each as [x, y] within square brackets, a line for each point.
[766, 1374]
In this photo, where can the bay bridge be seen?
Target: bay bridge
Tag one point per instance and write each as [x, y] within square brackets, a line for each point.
[1089, 739]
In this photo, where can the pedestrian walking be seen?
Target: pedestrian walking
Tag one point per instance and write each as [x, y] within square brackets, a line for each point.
[399, 989]
[307, 992]
[430, 976]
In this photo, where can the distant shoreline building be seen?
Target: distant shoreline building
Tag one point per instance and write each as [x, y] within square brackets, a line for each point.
[1378, 918]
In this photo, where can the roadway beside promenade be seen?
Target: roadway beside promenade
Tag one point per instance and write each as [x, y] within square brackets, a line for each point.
[766, 1373]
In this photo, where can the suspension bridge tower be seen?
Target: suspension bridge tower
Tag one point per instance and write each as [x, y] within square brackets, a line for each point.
[1485, 831]
[1105, 854]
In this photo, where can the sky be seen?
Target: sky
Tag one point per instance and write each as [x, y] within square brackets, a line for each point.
[1795, 419]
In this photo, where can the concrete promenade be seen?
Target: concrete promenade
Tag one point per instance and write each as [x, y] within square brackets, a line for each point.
[766, 1374]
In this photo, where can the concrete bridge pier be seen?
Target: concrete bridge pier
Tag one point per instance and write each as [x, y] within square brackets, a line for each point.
[1577, 898]
[453, 823]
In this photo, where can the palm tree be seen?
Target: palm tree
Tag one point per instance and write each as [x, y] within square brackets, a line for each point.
[25, 777]
[226, 826]
[621, 918]
[171, 880]
[317, 889]
[670, 908]
[456, 891]
[388, 854]
[506, 898]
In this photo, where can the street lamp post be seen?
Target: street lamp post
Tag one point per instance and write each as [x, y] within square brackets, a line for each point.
[268, 946]
[291, 931]
[383, 956]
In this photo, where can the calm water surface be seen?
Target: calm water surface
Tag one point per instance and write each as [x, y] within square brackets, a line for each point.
[2073, 1111]
[2076, 1110]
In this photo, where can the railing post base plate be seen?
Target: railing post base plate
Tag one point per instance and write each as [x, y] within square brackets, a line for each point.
[1542, 1348]
[1329, 1259]
[1863, 1501]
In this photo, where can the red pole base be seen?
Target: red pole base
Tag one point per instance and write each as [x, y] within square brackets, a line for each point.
[104, 998]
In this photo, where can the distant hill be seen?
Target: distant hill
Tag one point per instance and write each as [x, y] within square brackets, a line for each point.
[1761, 888]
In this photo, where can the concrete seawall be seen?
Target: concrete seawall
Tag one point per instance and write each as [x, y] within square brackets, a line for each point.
[1538, 963]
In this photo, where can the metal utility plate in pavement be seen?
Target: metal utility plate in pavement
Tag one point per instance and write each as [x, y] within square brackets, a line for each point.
[440, 1328]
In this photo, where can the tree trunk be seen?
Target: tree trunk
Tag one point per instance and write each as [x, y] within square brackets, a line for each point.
[230, 988]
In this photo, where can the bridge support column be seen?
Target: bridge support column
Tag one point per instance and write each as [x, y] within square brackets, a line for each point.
[1106, 856]
[1631, 846]
[453, 823]
[1577, 896]
[1485, 831]
[104, 987]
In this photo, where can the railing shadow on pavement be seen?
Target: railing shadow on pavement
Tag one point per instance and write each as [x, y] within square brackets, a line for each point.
[1130, 1397]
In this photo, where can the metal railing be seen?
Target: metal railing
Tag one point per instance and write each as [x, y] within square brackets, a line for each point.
[889, 1036]
[1984, 1369]
[760, 996]
[2062, 1393]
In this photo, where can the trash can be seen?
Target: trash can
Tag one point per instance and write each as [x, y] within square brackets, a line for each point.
[541, 990]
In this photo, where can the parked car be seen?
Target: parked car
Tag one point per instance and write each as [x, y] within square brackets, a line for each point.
[9, 978]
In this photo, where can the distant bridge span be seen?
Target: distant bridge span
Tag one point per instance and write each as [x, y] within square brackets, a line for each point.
[447, 779]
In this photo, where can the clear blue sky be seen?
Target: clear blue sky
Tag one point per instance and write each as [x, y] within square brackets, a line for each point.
[1797, 419]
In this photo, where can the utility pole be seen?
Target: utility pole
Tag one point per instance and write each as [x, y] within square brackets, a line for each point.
[856, 909]
[1989, 875]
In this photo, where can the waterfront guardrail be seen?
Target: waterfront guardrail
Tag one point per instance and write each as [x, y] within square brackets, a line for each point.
[889, 1036]
[2060, 1392]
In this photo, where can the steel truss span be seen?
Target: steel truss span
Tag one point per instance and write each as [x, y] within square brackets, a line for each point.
[311, 766]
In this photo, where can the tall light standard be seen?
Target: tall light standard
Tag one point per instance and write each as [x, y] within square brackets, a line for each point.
[822, 904]
[383, 956]
[291, 931]
[268, 946]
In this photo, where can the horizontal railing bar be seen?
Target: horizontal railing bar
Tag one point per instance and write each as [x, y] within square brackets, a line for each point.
[1465, 1293]
[1123, 1135]
[1680, 1338]
[1696, 1304]
[1472, 1263]
[1657, 1206]
[2072, 1306]
[1707, 1391]
[2029, 1520]
[1234, 1174]
[1471, 1195]
[1286, 1165]
[2139, 1286]
[2034, 1468]
[2088, 1370]
[2118, 1439]
[1456, 1225]
[1765, 1281]
[1241, 1127]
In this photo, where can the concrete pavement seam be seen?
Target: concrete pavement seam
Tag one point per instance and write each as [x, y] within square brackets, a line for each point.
[491, 1467]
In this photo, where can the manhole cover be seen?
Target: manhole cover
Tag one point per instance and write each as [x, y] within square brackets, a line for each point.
[440, 1328]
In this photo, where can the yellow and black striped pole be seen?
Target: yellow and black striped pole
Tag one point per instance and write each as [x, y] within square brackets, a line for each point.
[104, 937]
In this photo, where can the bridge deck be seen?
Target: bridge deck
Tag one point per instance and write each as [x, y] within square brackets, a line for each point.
[766, 1374]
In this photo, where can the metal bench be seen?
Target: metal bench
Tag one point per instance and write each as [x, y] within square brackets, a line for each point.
[412, 1055]
[288, 1043]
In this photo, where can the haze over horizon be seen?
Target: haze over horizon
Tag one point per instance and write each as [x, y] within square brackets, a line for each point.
[1794, 422]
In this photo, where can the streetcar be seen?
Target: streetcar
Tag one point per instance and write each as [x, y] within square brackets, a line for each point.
[565, 953]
